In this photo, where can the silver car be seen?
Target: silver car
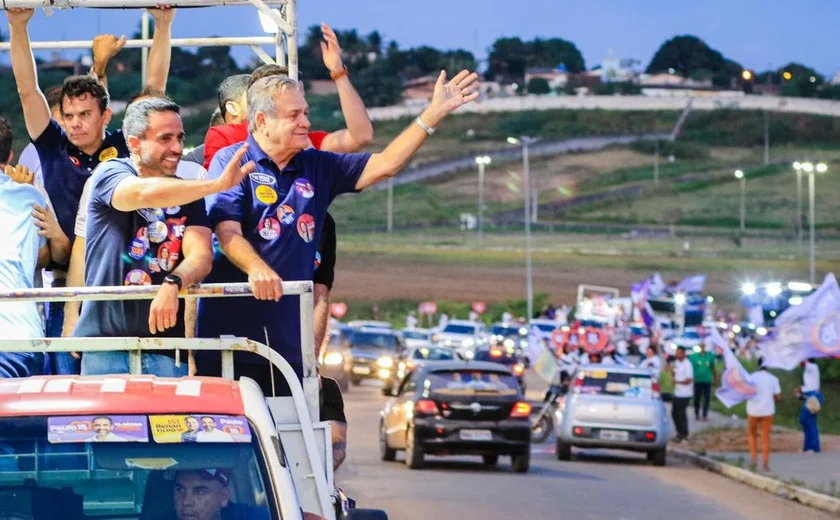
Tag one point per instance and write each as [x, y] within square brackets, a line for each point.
[615, 407]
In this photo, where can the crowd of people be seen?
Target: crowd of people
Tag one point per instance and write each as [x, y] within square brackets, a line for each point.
[84, 206]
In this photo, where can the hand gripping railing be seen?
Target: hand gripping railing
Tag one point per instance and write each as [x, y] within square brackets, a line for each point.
[305, 397]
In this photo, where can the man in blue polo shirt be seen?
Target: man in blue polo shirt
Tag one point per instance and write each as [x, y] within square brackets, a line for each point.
[269, 226]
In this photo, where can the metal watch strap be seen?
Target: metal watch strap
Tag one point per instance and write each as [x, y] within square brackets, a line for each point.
[426, 128]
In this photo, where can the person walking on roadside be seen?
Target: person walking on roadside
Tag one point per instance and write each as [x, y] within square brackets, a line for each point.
[703, 365]
[812, 400]
[760, 411]
[683, 374]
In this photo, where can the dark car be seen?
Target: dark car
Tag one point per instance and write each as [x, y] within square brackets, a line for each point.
[373, 352]
[457, 408]
[411, 357]
[506, 358]
[511, 337]
[336, 361]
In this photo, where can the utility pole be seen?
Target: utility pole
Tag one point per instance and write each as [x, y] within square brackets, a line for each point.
[390, 204]
[656, 163]
[766, 137]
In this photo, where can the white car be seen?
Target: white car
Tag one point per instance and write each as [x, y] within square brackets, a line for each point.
[464, 336]
[416, 338]
[545, 325]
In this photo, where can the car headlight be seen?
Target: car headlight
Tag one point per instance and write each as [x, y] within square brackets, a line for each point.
[333, 358]
[385, 362]
[523, 343]
[468, 342]
[469, 354]
[509, 343]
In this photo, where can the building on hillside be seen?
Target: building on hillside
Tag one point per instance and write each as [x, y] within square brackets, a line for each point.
[321, 87]
[835, 80]
[556, 78]
[673, 85]
[620, 70]
[420, 88]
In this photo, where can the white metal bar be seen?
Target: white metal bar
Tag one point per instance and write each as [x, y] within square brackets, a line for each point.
[176, 42]
[292, 38]
[261, 54]
[125, 4]
[311, 385]
[272, 15]
[140, 292]
[144, 58]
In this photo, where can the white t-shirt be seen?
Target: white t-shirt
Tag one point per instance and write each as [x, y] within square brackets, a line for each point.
[188, 171]
[762, 404]
[654, 364]
[682, 371]
[811, 378]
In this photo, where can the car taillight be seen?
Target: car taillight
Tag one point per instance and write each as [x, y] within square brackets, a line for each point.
[654, 390]
[521, 409]
[577, 430]
[494, 352]
[409, 365]
[650, 436]
[578, 384]
[426, 407]
[518, 369]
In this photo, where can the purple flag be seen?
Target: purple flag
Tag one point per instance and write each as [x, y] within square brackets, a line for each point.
[736, 385]
[693, 283]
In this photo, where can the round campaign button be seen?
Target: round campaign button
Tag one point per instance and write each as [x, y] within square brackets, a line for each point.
[108, 154]
[306, 227]
[168, 255]
[138, 248]
[158, 232]
[286, 214]
[265, 194]
[138, 277]
[173, 210]
[317, 260]
[154, 265]
[176, 227]
[143, 234]
[304, 187]
[269, 228]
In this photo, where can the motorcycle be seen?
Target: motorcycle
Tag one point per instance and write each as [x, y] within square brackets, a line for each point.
[543, 423]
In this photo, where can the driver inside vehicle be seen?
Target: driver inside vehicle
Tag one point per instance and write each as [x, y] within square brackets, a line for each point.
[205, 495]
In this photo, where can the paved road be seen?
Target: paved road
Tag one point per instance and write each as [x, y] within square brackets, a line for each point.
[595, 485]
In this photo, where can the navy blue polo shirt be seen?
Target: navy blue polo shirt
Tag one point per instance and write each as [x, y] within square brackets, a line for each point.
[66, 169]
[282, 212]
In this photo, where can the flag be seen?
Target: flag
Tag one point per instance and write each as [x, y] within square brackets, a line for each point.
[736, 385]
[546, 366]
[757, 315]
[808, 330]
[692, 284]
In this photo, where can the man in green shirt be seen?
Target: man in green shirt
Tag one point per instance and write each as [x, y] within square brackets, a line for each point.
[703, 363]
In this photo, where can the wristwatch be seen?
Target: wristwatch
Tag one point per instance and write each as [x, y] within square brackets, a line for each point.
[174, 279]
[340, 74]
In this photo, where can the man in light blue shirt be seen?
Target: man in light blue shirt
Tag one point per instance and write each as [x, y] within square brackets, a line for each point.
[22, 250]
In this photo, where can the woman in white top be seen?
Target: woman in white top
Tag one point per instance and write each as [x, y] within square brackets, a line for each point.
[652, 362]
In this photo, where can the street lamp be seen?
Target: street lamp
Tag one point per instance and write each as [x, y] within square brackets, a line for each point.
[811, 170]
[481, 161]
[743, 178]
[525, 142]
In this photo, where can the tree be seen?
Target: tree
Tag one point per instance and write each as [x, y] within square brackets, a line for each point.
[377, 86]
[689, 55]
[538, 86]
[804, 81]
[510, 57]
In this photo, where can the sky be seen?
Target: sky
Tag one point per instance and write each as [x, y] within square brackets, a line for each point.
[759, 34]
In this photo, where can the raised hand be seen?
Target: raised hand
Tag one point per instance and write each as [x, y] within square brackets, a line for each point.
[106, 46]
[47, 223]
[453, 94]
[234, 172]
[331, 50]
[162, 14]
[19, 16]
[20, 174]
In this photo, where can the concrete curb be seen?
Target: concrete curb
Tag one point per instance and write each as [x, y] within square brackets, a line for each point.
[780, 489]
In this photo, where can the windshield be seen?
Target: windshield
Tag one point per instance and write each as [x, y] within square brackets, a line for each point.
[545, 327]
[434, 354]
[139, 467]
[413, 334]
[460, 329]
[601, 382]
[472, 381]
[374, 339]
[500, 330]
[499, 356]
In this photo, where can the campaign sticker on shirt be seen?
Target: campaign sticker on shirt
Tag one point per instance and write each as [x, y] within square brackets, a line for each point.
[108, 153]
[176, 227]
[158, 232]
[262, 178]
[305, 189]
[265, 194]
[138, 248]
[269, 228]
[154, 265]
[317, 260]
[138, 277]
[151, 214]
[306, 227]
[143, 234]
[173, 210]
[286, 214]
[168, 255]
[76, 162]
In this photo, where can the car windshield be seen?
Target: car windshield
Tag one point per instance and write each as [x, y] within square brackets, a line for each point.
[374, 339]
[545, 327]
[500, 330]
[497, 356]
[413, 334]
[459, 329]
[140, 467]
[434, 354]
[460, 382]
[602, 382]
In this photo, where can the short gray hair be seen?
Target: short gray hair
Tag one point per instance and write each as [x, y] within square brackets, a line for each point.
[136, 120]
[231, 89]
[261, 97]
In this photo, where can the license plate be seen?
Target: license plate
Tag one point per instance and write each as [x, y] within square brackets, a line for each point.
[476, 435]
[613, 435]
[361, 370]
